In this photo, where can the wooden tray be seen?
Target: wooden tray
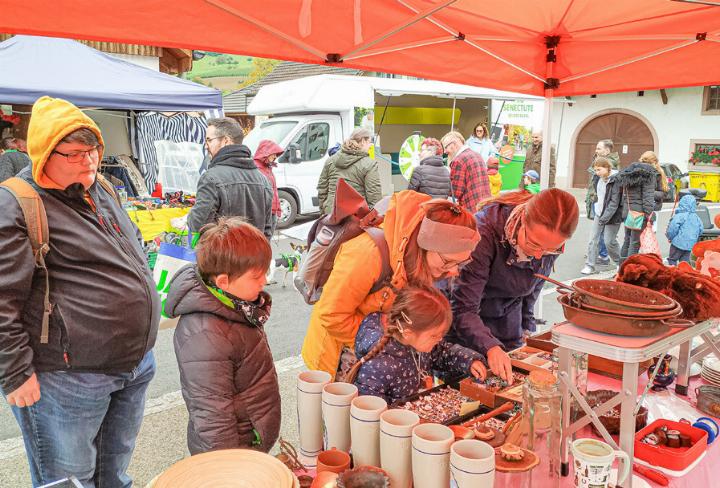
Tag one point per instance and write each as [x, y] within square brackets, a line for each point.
[605, 367]
[526, 464]
[532, 362]
[454, 420]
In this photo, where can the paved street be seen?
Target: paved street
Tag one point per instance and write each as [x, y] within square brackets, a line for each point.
[162, 439]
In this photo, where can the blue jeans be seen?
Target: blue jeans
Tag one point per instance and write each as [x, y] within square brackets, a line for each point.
[602, 248]
[85, 424]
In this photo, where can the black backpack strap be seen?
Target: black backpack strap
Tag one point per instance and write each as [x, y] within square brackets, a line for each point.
[378, 237]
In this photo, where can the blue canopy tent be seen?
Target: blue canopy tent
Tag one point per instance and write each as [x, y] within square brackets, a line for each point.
[37, 66]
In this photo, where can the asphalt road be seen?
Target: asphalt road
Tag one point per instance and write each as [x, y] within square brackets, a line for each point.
[165, 415]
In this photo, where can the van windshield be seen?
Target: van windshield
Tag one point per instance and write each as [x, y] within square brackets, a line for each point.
[275, 131]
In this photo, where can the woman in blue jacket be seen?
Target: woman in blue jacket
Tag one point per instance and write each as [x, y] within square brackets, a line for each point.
[494, 296]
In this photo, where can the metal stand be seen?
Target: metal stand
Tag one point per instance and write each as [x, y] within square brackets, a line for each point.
[568, 339]
[689, 356]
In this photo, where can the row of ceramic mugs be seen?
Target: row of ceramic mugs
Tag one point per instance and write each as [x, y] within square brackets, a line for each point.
[333, 416]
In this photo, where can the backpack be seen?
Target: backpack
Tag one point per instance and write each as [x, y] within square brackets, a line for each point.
[350, 218]
[37, 228]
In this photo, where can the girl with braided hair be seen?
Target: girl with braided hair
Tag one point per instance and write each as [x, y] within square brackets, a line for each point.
[397, 350]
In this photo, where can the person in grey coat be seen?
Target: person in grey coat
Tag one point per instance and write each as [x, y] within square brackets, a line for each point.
[232, 186]
[11, 159]
[638, 181]
[227, 374]
[432, 177]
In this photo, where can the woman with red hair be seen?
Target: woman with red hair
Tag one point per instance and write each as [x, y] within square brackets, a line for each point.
[494, 296]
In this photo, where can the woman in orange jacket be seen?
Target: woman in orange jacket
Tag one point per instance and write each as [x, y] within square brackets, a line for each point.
[428, 240]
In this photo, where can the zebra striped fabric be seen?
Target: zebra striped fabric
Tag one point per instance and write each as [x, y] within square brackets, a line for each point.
[149, 127]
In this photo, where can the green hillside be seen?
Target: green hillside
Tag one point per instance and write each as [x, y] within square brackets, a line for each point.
[213, 65]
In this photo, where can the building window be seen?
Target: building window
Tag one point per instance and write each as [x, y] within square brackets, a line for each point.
[705, 152]
[711, 100]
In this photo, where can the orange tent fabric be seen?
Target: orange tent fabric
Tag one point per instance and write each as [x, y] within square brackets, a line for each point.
[598, 46]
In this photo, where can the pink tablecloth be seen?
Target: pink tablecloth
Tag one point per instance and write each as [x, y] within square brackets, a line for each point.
[669, 405]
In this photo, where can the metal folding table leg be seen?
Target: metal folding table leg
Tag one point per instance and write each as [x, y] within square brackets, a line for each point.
[627, 413]
[683, 372]
[564, 366]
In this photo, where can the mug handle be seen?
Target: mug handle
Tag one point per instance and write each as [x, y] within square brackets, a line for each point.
[626, 466]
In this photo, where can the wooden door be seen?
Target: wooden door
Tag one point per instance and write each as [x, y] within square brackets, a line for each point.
[623, 130]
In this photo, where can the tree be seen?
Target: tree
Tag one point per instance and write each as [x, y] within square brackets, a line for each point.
[261, 68]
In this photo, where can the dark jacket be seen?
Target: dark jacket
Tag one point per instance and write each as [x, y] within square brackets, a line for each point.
[227, 373]
[105, 308]
[233, 186]
[591, 196]
[639, 181]
[494, 296]
[11, 162]
[357, 169]
[432, 177]
[659, 192]
[685, 226]
[393, 374]
[614, 203]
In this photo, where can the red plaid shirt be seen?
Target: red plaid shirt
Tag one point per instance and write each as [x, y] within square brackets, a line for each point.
[469, 179]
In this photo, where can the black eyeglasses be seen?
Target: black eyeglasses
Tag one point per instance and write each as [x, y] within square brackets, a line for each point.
[79, 156]
[208, 139]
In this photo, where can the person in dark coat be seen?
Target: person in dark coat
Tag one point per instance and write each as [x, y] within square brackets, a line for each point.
[398, 350]
[232, 186]
[494, 296]
[432, 177]
[266, 159]
[227, 373]
[12, 160]
[639, 181]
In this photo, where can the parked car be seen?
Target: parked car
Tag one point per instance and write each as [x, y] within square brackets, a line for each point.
[677, 180]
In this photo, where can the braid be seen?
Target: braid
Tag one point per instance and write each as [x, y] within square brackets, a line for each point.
[390, 331]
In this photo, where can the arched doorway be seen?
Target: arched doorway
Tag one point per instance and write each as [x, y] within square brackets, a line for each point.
[630, 134]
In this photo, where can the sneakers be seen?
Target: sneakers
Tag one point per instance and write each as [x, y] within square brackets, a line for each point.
[588, 270]
[604, 261]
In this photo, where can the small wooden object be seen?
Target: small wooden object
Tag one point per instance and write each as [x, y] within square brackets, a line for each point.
[528, 462]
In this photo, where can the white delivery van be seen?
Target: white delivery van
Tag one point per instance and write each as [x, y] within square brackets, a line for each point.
[308, 116]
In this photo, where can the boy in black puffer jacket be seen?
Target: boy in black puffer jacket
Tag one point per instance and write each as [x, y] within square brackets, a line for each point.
[227, 372]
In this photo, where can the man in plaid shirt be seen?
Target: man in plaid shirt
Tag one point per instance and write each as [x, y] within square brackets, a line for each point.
[468, 173]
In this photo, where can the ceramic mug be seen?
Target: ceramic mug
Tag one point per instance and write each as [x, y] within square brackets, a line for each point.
[431, 455]
[396, 445]
[333, 460]
[309, 411]
[365, 414]
[336, 399]
[593, 463]
[472, 464]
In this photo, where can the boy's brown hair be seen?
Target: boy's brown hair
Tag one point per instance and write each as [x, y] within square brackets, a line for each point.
[602, 163]
[233, 247]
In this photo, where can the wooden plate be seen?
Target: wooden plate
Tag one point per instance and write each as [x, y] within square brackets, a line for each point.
[528, 462]
[227, 468]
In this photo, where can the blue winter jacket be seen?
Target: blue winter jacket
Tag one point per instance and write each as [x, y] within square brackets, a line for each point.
[494, 296]
[685, 226]
[393, 373]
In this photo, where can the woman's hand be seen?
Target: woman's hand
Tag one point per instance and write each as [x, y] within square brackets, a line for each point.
[499, 363]
[478, 370]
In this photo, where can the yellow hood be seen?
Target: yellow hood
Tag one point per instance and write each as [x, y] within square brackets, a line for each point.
[52, 119]
[401, 219]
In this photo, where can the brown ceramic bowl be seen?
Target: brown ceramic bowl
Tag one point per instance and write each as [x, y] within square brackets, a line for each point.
[612, 422]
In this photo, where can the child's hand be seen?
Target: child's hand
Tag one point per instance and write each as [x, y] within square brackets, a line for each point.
[478, 370]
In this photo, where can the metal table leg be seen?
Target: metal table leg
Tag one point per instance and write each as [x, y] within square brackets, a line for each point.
[627, 413]
[564, 366]
[683, 372]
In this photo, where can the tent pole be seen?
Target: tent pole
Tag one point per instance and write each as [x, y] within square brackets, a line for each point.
[452, 116]
[547, 140]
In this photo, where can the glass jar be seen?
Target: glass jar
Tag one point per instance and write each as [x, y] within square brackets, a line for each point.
[541, 424]
[578, 376]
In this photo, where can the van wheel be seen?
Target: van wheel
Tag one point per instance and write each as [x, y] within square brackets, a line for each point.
[288, 207]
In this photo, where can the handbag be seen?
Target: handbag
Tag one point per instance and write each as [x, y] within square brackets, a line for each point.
[648, 242]
[634, 220]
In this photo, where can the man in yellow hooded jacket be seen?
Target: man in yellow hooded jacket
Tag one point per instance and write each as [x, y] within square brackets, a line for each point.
[76, 385]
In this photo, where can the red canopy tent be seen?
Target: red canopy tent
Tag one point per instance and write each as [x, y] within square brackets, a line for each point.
[548, 47]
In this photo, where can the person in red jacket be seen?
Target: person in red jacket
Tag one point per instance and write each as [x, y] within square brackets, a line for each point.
[266, 159]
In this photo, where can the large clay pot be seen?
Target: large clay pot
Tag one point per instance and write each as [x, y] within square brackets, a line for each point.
[365, 414]
[431, 455]
[396, 445]
[472, 463]
[336, 399]
[309, 410]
